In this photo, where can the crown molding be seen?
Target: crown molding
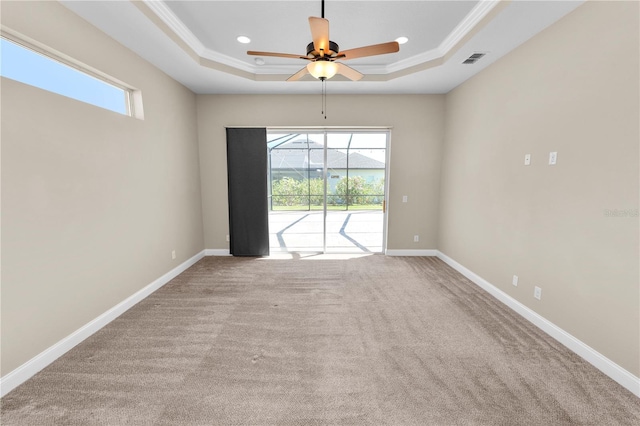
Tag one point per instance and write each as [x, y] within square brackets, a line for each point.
[174, 23]
[473, 19]
[464, 28]
[229, 61]
[211, 59]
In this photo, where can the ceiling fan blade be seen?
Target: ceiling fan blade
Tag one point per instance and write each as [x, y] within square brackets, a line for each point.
[299, 74]
[320, 34]
[349, 72]
[279, 55]
[375, 49]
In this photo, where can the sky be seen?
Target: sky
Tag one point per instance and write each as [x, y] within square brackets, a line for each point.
[29, 67]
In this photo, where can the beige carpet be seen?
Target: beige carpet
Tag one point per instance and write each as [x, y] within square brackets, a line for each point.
[370, 341]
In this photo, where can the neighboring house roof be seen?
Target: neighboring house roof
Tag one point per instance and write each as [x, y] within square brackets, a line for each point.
[295, 155]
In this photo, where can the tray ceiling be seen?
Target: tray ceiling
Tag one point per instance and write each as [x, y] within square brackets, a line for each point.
[195, 41]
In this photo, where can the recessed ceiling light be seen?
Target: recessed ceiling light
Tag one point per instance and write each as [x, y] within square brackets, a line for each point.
[402, 40]
[259, 61]
[244, 39]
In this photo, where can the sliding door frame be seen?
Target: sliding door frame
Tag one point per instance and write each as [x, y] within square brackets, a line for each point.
[326, 131]
[325, 168]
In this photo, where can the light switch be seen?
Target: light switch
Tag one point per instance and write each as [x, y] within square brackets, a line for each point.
[527, 159]
[405, 198]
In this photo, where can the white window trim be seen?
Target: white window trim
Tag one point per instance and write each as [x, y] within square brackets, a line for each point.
[133, 96]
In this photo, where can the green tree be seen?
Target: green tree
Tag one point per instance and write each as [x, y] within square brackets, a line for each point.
[285, 192]
[352, 190]
[375, 191]
[316, 187]
[356, 191]
[290, 192]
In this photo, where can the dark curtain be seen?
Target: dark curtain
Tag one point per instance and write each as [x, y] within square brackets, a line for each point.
[247, 177]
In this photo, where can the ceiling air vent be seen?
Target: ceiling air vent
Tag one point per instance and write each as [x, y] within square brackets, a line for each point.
[473, 58]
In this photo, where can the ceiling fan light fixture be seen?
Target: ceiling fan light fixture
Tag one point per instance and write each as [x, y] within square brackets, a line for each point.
[243, 39]
[322, 70]
[402, 40]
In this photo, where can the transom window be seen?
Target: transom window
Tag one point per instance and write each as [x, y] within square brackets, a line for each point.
[28, 66]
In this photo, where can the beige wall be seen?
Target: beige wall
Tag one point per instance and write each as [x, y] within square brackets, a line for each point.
[416, 141]
[572, 89]
[93, 202]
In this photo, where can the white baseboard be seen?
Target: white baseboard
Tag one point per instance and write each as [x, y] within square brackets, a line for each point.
[40, 361]
[595, 358]
[217, 252]
[411, 252]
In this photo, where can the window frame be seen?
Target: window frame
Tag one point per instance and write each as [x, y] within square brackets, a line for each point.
[132, 96]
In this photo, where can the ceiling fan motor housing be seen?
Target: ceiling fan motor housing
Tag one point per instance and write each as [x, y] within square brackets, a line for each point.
[333, 50]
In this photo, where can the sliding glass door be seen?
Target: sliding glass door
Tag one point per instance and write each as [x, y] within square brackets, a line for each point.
[327, 191]
[296, 191]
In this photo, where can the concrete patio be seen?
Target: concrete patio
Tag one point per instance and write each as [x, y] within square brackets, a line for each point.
[358, 231]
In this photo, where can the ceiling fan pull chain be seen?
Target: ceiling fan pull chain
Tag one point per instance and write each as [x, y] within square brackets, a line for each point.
[324, 98]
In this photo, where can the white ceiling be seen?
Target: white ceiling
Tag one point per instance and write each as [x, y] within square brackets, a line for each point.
[195, 41]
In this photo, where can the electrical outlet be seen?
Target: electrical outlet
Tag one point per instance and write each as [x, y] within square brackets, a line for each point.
[537, 292]
[173, 254]
[515, 281]
[553, 158]
[228, 238]
[405, 198]
[416, 238]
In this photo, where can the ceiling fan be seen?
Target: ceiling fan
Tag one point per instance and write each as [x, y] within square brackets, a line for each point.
[323, 53]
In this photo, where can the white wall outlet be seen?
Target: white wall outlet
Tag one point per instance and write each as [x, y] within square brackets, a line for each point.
[228, 238]
[416, 238]
[553, 158]
[173, 254]
[515, 280]
[405, 198]
[537, 292]
[527, 159]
